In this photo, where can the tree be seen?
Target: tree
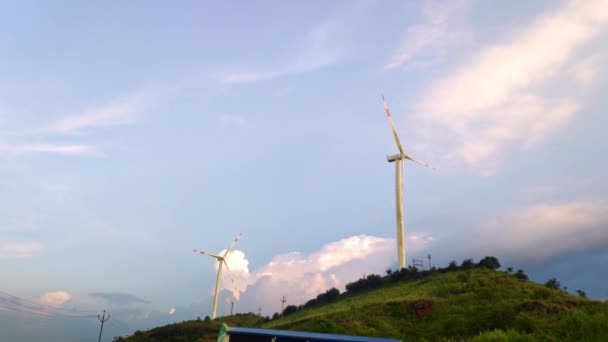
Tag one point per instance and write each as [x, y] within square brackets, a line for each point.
[553, 284]
[275, 315]
[520, 275]
[289, 309]
[467, 263]
[509, 270]
[198, 318]
[207, 318]
[452, 265]
[489, 262]
[581, 293]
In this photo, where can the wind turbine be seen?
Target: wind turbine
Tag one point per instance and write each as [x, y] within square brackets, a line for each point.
[398, 159]
[222, 261]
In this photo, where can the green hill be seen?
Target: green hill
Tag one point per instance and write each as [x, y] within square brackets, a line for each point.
[477, 304]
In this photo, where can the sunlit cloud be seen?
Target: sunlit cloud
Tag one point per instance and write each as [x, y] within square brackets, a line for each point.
[301, 277]
[55, 298]
[500, 99]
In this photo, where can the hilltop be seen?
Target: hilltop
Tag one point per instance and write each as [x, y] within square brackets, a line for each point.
[455, 303]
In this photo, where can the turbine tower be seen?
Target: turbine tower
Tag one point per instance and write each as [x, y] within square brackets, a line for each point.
[222, 261]
[398, 160]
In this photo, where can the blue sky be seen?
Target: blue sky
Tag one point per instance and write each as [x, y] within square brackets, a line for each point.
[134, 132]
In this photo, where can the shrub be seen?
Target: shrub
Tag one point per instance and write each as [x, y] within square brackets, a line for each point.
[467, 263]
[490, 262]
[553, 284]
[452, 265]
[581, 293]
[520, 275]
[289, 309]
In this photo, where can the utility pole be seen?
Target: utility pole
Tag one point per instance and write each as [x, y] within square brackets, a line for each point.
[430, 265]
[102, 319]
[283, 300]
[231, 306]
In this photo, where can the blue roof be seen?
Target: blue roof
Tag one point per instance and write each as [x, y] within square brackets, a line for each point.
[305, 335]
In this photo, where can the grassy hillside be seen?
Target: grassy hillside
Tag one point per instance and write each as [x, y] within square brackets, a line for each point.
[474, 304]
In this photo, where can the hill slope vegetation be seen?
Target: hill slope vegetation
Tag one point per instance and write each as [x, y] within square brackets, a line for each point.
[470, 303]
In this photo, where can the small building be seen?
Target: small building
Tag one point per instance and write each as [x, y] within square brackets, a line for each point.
[238, 334]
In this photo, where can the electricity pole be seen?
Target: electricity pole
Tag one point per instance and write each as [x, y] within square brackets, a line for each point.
[283, 300]
[102, 319]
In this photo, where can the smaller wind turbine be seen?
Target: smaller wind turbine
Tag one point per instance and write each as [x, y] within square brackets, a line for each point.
[222, 261]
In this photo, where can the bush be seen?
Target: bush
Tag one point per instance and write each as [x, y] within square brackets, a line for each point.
[452, 265]
[467, 263]
[490, 262]
[289, 309]
[581, 293]
[520, 275]
[553, 284]
[370, 282]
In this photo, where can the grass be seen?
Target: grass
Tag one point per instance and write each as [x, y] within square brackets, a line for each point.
[474, 305]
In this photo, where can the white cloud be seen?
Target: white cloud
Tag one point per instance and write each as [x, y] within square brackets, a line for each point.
[437, 33]
[322, 46]
[502, 97]
[301, 277]
[546, 229]
[588, 70]
[55, 298]
[317, 51]
[171, 311]
[65, 149]
[19, 249]
[118, 112]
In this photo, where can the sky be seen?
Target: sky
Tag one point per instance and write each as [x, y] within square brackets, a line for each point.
[133, 132]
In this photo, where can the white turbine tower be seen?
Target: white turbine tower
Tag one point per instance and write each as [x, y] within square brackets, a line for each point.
[398, 159]
[222, 261]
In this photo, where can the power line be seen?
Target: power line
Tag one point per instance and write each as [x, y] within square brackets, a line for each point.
[13, 305]
[40, 307]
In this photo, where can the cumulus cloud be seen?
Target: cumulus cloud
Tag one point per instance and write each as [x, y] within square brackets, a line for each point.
[502, 97]
[119, 298]
[19, 249]
[301, 277]
[545, 229]
[55, 298]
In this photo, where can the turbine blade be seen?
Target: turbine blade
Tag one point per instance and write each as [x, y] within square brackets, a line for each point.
[390, 121]
[232, 245]
[209, 254]
[230, 275]
[226, 264]
[419, 162]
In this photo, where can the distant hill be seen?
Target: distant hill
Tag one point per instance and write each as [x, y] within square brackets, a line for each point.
[475, 303]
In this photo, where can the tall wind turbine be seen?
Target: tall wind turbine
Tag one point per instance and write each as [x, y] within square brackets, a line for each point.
[398, 159]
[222, 261]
